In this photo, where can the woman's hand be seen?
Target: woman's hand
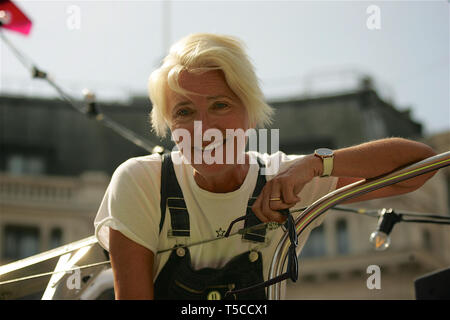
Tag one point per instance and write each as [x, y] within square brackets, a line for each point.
[284, 187]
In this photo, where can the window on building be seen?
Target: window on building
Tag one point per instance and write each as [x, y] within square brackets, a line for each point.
[15, 164]
[20, 242]
[315, 246]
[55, 238]
[426, 238]
[25, 164]
[342, 237]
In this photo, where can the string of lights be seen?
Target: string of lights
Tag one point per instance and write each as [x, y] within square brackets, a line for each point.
[88, 107]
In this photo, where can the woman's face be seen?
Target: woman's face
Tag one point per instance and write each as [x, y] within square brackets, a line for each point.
[212, 110]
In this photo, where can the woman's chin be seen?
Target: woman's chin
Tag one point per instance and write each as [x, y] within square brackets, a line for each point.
[210, 162]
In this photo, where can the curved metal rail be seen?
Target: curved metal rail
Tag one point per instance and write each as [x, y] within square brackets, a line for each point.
[351, 191]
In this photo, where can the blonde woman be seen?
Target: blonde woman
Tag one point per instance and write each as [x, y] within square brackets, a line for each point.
[157, 211]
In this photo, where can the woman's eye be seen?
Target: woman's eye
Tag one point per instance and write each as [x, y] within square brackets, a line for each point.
[220, 105]
[183, 112]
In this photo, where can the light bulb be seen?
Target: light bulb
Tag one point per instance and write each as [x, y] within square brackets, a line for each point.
[88, 95]
[158, 149]
[380, 240]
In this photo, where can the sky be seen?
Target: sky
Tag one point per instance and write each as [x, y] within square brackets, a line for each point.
[297, 47]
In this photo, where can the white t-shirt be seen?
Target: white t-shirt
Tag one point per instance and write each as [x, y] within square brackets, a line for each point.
[131, 205]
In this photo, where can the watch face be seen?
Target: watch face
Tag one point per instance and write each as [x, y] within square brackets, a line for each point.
[324, 152]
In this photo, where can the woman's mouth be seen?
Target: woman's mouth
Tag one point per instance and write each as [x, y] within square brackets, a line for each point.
[211, 146]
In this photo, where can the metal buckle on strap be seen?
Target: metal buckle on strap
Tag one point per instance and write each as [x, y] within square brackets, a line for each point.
[178, 233]
[179, 217]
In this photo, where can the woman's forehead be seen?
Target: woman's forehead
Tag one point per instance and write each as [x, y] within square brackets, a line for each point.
[209, 83]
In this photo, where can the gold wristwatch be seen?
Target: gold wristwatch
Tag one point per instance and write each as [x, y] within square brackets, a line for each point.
[327, 156]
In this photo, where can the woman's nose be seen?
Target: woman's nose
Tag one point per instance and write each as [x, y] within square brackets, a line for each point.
[203, 122]
[206, 130]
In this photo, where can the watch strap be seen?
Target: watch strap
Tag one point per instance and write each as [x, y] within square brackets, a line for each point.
[327, 166]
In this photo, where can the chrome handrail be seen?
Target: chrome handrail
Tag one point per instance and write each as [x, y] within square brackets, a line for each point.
[338, 196]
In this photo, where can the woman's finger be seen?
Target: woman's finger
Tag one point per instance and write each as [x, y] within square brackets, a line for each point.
[289, 194]
[275, 197]
[276, 200]
[269, 214]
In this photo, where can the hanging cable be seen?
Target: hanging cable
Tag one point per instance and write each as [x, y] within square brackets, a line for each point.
[92, 113]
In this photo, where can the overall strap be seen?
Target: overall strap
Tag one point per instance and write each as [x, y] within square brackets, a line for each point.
[172, 197]
[258, 235]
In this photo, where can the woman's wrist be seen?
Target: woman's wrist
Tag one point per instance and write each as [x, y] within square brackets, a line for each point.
[316, 164]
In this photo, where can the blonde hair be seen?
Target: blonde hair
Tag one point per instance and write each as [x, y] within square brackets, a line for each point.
[201, 52]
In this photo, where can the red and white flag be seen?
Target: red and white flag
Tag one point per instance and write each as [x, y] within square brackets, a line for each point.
[12, 18]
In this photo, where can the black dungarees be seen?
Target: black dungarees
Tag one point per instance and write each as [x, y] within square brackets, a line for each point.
[177, 280]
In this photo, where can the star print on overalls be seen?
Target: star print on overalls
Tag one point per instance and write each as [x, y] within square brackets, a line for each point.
[220, 232]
